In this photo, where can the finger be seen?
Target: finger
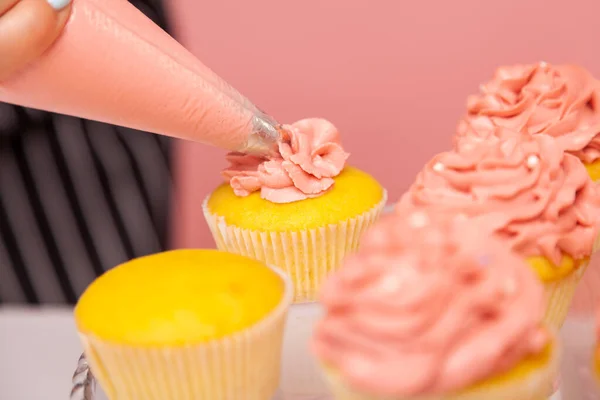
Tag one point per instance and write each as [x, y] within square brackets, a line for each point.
[27, 30]
[6, 5]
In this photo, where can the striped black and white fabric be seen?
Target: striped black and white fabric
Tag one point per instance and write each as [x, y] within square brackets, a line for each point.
[76, 198]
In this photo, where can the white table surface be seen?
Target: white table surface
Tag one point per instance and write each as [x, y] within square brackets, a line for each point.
[39, 349]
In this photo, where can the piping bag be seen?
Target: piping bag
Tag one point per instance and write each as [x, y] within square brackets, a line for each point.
[113, 64]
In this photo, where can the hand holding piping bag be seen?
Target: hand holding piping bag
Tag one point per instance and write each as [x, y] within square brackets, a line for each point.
[27, 29]
[112, 64]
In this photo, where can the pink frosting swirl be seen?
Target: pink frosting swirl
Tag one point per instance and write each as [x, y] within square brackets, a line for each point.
[427, 298]
[307, 162]
[560, 101]
[534, 195]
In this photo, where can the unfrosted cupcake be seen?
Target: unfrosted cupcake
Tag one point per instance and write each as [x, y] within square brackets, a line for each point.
[186, 324]
[430, 309]
[561, 101]
[303, 210]
[538, 198]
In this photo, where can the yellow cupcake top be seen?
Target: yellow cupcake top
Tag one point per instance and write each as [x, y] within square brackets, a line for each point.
[548, 272]
[593, 170]
[353, 193]
[179, 297]
[523, 369]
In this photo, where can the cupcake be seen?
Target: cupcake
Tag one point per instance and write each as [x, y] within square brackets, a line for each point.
[533, 195]
[186, 324]
[302, 210]
[560, 101]
[430, 309]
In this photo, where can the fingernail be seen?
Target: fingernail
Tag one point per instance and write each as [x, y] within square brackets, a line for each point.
[59, 4]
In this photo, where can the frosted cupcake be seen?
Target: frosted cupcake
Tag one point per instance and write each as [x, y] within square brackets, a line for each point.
[533, 195]
[429, 309]
[303, 210]
[561, 101]
[186, 324]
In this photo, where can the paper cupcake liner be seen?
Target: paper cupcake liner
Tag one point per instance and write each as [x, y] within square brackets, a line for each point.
[560, 295]
[243, 366]
[537, 385]
[308, 256]
[301, 377]
[595, 368]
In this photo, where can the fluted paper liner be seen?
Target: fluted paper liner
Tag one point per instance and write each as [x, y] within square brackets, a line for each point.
[595, 369]
[559, 296]
[242, 366]
[308, 256]
[537, 385]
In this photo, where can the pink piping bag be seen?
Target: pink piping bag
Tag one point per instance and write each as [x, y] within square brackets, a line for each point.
[113, 64]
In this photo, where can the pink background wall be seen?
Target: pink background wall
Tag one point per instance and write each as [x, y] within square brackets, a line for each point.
[391, 74]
